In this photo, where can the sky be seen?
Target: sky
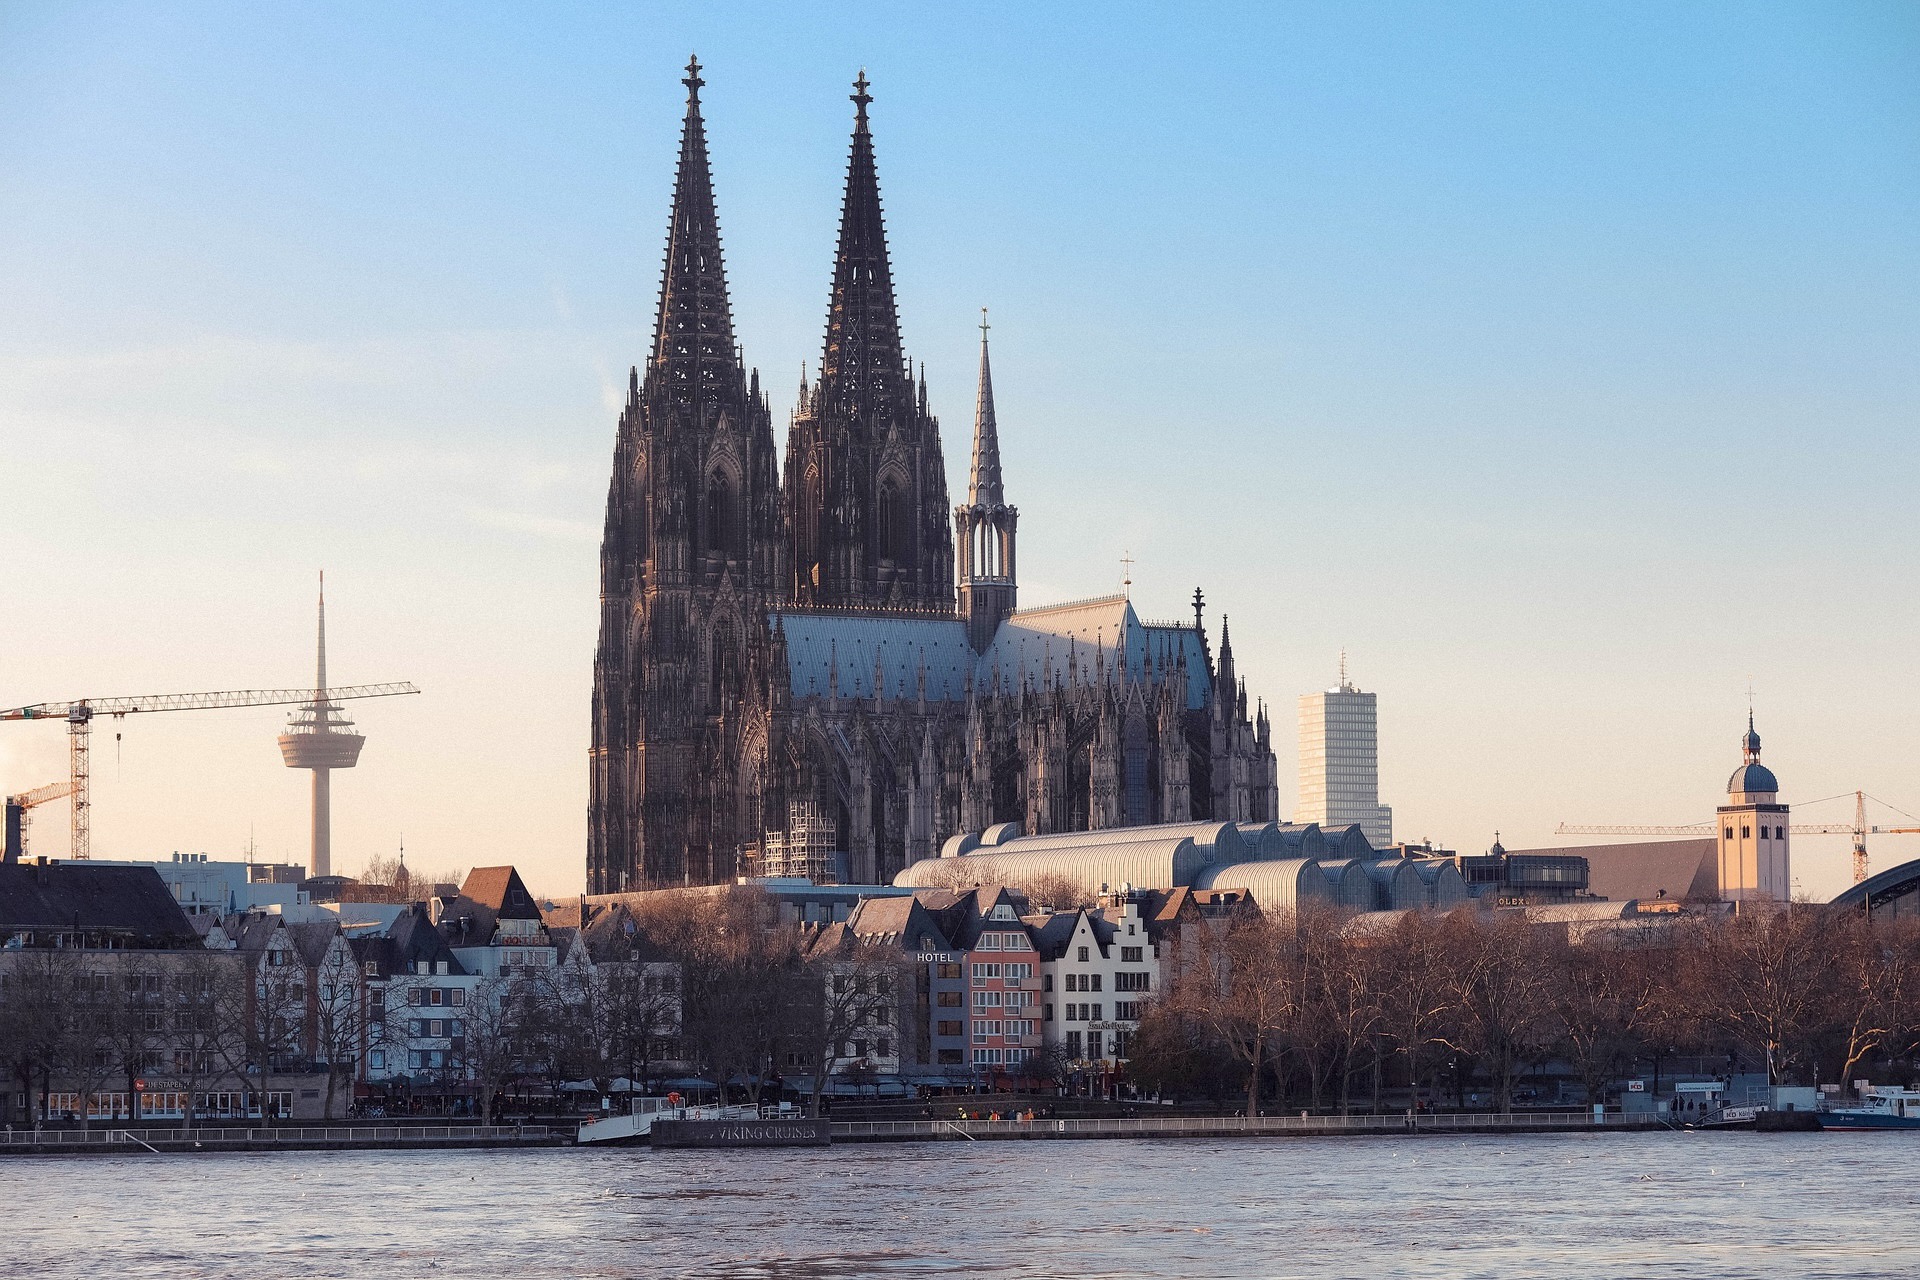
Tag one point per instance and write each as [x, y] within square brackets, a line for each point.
[1558, 362]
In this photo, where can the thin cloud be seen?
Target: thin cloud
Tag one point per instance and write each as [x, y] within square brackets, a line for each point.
[553, 528]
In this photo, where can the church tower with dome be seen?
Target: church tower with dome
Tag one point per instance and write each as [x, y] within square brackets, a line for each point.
[1753, 825]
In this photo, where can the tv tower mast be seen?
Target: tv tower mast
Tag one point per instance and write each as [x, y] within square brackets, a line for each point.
[321, 737]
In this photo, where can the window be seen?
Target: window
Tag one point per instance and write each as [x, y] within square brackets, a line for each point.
[948, 969]
[982, 972]
[459, 998]
[949, 1028]
[1126, 1010]
[895, 532]
[1130, 955]
[1049, 1014]
[377, 1059]
[1729, 833]
[436, 996]
[884, 1047]
[373, 968]
[1094, 1016]
[417, 996]
[986, 1057]
[1073, 1044]
[1132, 982]
[952, 1057]
[1745, 831]
[1093, 1044]
[989, 942]
[987, 999]
[723, 521]
[1096, 982]
[1046, 982]
[1083, 955]
[949, 999]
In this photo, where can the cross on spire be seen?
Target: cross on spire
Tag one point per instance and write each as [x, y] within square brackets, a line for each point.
[861, 97]
[692, 79]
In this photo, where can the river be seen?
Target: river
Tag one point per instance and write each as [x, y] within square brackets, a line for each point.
[1693, 1205]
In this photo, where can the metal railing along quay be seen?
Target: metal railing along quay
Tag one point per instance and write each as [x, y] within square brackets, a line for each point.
[205, 1136]
[1226, 1126]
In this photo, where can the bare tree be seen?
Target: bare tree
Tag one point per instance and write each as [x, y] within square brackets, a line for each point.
[1763, 979]
[342, 1019]
[1244, 990]
[1416, 990]
[847, 990]
[1876, 977]
[1500, 982]
[265, 1013]
[1054, 891]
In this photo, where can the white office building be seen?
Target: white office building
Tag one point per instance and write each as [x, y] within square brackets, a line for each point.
[1340, 762]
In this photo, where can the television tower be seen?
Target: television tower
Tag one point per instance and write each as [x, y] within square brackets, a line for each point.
[320, 737]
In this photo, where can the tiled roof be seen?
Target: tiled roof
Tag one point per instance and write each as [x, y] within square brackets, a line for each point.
[815, 642]
[499, 889]
[1028, 646]
[1681, 870]
[125, 900]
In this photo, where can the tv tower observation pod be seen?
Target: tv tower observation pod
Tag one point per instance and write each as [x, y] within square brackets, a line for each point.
[320, 736]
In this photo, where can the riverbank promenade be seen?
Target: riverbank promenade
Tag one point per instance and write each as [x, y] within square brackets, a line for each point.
[122, 1141]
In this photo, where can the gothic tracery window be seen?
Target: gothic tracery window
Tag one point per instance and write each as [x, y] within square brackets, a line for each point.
[723, 515]
[892, 521]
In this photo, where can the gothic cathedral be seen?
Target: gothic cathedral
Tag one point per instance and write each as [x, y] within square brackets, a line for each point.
[787, 681]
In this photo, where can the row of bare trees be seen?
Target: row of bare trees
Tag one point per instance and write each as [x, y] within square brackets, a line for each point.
[151, 1021]
[1318, 1009]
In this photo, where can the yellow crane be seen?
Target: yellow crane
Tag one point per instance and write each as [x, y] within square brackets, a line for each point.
[79, 716]
[18, 806]
[1858, 829]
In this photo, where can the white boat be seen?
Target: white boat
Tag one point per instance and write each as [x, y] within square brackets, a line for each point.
[1882, 1107]
[637, 1122]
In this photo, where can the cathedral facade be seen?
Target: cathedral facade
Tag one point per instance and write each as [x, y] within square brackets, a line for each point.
[813, 664]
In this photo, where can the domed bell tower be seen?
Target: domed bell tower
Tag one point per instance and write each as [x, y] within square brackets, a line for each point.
[1753, 826]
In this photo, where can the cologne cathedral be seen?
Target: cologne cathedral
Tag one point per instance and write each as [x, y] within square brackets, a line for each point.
[813, 665]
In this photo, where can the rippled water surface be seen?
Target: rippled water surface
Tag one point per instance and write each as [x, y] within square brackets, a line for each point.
[1612, 1205]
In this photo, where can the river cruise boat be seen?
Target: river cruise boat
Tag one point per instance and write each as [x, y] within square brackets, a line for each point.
[635, 1125]
[1883, 1107]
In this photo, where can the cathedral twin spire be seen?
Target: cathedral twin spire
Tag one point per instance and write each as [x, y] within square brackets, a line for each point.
[693, 343]
[863, 371]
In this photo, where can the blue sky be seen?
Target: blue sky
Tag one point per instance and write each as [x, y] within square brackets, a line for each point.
[1556, 360]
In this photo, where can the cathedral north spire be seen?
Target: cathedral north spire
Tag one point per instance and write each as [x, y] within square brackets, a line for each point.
[693, 344]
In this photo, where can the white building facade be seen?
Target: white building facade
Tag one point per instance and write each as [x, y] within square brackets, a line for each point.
[1340, 762]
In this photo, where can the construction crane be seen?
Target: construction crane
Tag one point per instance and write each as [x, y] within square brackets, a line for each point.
[16, 819]
[79, 717]
[1858, 829]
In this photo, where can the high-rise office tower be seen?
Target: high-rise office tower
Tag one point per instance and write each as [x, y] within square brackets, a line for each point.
[1340, 761]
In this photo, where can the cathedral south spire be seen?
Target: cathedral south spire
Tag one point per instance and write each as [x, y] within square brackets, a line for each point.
[985, 526]
[863, 370]
[866, 489]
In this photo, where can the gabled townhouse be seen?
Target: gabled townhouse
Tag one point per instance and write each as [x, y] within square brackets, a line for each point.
[417, 995]
[1003, 981]
[495, 928]
[1097, 967]
[895, 1001]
